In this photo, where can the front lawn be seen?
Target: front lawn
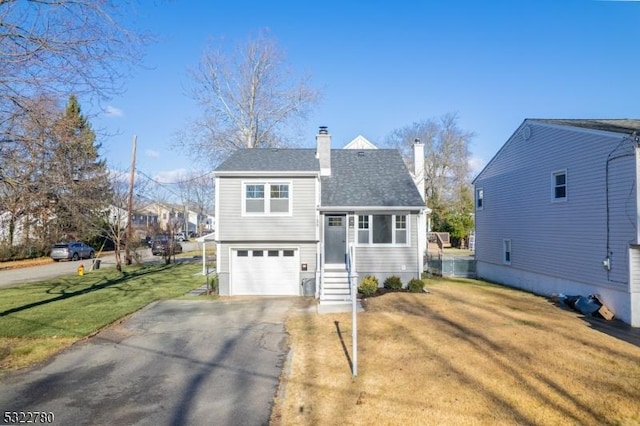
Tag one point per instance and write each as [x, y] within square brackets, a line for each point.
[466, 353]
[39, 319]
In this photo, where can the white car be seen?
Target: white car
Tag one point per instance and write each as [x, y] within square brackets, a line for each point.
[180, 236]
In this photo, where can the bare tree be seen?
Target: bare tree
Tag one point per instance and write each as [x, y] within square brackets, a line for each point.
[62, 47]
[114, 225]
[53, 48]
[446, 169]
[115, 222]
[446, 148]
[249, 98]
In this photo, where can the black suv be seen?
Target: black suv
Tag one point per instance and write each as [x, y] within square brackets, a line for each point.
[163, 246]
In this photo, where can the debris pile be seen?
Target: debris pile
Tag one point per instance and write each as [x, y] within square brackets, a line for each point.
[589, 305]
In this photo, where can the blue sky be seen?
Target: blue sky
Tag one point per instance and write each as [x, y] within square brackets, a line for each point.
[382, 65]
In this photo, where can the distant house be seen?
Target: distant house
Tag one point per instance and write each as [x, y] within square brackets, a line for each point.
[360, 142]
[290, 220]
[557, 211]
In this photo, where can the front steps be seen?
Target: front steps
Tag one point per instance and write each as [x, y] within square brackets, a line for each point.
[336, 289]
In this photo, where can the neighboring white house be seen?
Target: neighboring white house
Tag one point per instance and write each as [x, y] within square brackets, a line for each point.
[360, 142]
[557, 211]
[289, 220]
[16, 235]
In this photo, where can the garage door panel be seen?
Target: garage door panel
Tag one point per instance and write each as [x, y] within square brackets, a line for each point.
[267, 271]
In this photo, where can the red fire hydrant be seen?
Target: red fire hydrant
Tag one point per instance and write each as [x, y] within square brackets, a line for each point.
[81, 270]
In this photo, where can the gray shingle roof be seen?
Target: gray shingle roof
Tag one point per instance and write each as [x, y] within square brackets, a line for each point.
[624, 125]
[271, 160]
[372, 178]
[369, 178]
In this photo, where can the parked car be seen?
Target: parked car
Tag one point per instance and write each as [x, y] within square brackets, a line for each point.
[74, 251]
[181, 236]
[165, 246]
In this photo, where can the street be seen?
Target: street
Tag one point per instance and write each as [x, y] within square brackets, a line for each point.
[43, 272]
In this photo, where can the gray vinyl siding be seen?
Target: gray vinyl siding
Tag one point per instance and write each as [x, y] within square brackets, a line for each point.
[384, 261]
[560, 239]
[300, 225]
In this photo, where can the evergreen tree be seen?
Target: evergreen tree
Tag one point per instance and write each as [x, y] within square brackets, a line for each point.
[82, 188]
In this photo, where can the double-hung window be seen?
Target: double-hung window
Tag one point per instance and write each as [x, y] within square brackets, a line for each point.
[279, 198]
[400, 229]
[363, 229]
[379, 229]
[267, 198]
[559, 186]
[254, 198]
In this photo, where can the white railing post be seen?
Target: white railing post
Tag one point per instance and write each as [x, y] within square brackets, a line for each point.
[353, 279]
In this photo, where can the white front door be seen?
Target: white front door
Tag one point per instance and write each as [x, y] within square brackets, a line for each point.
[265, 272]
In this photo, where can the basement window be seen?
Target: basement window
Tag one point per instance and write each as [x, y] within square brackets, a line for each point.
[506, 259]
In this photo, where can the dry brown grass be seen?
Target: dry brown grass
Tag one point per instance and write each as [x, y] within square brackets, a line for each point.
[14, 264]
[18, 353]
[467, 353]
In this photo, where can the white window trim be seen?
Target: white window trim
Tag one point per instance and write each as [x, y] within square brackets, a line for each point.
[478, 191]
[505, 243]
[267, 197]
[393, 231]
[553, 186]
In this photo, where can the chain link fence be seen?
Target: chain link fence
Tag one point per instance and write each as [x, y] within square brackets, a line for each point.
[451, 266]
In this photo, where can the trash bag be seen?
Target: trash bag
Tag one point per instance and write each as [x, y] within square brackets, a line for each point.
[570, 301]
[587, 305]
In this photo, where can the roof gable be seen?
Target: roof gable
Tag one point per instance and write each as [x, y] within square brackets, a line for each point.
[622, 126]
[360, 142]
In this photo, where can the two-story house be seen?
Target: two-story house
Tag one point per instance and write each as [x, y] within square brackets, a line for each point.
[558, 211]
[290, 221]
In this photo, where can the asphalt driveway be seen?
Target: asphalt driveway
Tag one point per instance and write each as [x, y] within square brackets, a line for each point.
[172, 363]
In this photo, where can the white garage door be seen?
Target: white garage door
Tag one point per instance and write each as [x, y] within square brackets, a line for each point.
[265, 272]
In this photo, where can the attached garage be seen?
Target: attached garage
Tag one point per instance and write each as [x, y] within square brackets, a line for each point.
[265, 272]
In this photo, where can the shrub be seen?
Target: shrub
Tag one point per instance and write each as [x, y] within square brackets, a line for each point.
[368, 286]
[212, 284]
[416, 285]
[393, 283]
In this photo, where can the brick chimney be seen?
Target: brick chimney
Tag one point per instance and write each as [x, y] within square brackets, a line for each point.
[323, 151]
[418, 166]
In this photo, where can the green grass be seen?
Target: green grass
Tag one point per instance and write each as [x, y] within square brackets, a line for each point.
[69, 308]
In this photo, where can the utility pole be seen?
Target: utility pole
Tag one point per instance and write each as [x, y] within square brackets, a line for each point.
[127, 241]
